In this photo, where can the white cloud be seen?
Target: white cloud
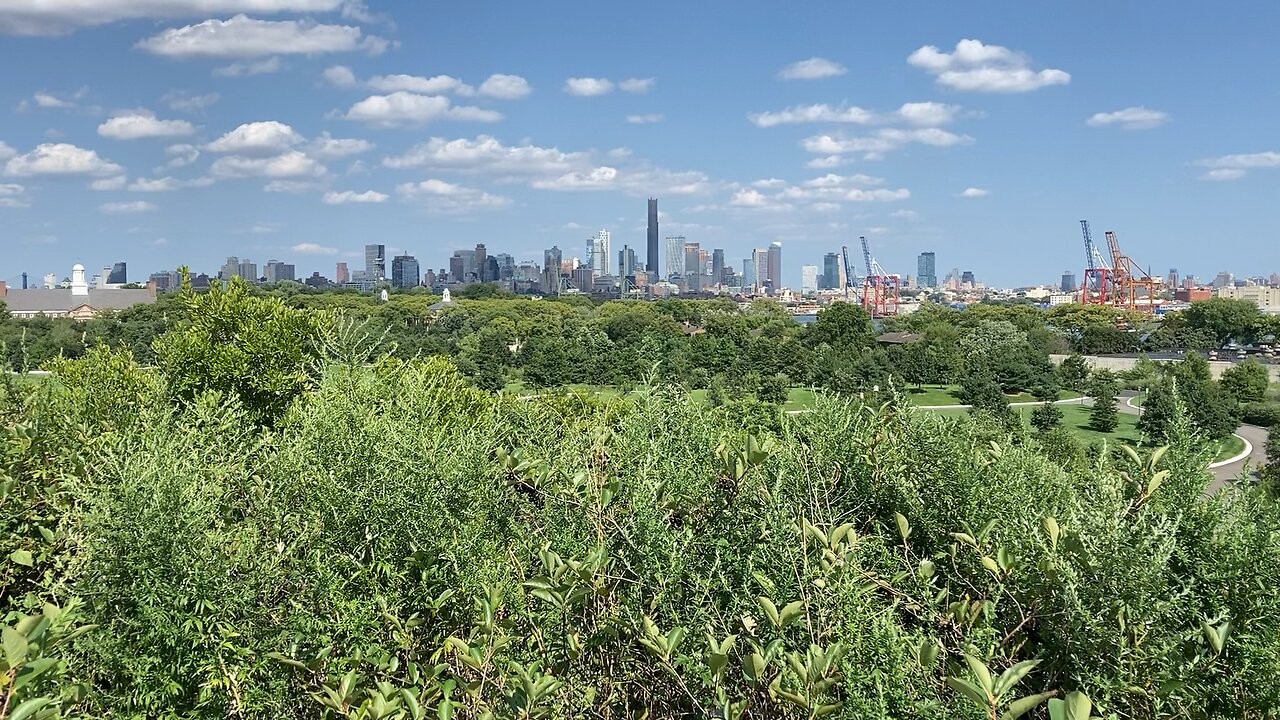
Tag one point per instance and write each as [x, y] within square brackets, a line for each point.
[60, 159]
[418, 84]
[13, 196]
[166, 184]
[974, 192]
[1221, 174]
[448, 198]
[260, 67]
[339, 76]
[184, 101]
[978, 67]
[58, 16]
[875, 145]
[832, 180]
[47, 100]
[1234, 167]
[636, 86]
[600, 178]
[260, 138]
[111, 183]
[123, 208]
[749, 198]
[769, 183]
[350, 196]
[877, 195]
[505, 87]
[291, 186]
[488, 154]
[586, 86]
[918, 113]
[6, 152]
[1131, 118]
[646, 119]
[406, 108]
[904, 214]
[286, 165]
[812, 69]
[830, 161]
[245, 37]
[329, 147]
[310, 248]
[181, 155]
[135, 124]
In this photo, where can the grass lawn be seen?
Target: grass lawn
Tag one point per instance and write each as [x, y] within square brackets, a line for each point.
[948, 395]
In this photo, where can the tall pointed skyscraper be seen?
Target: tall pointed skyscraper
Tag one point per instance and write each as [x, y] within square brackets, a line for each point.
[651, 262]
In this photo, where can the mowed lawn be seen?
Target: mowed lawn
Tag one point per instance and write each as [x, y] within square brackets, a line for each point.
[950, 395]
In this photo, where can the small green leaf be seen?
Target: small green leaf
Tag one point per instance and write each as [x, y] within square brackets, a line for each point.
[980, 671]
[927, 569]
[790, 613]
[969, 690]
[770, 610]
[15, 647]
[1076, 706]
[22, 557]
[1022, 706]
[1013, 676]
[904, 528]
[990, 564]
[1052, 529]
[28, 708]
[927, 653]
[1156, 481]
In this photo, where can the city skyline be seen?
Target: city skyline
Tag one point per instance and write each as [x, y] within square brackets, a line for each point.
[301, 130]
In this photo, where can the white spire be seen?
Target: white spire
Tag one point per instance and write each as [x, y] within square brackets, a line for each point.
[78, 285]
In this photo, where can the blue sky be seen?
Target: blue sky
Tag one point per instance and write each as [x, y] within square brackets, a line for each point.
[182, 131]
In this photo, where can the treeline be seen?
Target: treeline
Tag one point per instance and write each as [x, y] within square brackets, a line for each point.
[281, 519]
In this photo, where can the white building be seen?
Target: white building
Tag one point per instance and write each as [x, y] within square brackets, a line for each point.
[1266, 298]
[600, 252]
[809, 279]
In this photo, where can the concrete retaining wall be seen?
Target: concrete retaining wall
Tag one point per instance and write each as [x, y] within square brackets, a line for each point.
[1125, 363]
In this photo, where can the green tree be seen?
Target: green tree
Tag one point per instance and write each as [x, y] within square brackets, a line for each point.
[1074, 372]
[1228, 320]
[1046, 417]
[842, 325]
[983, 394]
[255, 348]
[773, 389]
[1246, 382]
[1159, 408]
[1103, 416]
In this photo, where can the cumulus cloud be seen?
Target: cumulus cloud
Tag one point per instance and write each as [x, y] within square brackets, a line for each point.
[885, 140]
[646, 119]
[48, 100]
[978, 67]
[339, 76]
[505, 87]
[109, 183]
[823, 194]
[287, 165]
[488, 154]
[1130, 118]
[6, 152]
[1234, 167]
[406, 108]
[166, 184]
[49, 17]
[13, 195]
[350, 196]
[181, 154]
[258, 138]
[245, 37]
[827, 162]
[60, 159]
[587, 86]
[291, 186]
[135, 124]
[917, 113]
[124, 208]
[419, 84]
[600, 178]
[636, 86]
[328, 147]
[449, 198]
[310, 248]
[812, 69]
[974, 192]
[260, 67]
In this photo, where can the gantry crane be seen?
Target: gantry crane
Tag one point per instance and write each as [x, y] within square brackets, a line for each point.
[879, 288]
[1122, 284]
[1096, 286]
[850, 276]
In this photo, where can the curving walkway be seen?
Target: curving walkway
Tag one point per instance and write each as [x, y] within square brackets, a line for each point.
[1244, 466]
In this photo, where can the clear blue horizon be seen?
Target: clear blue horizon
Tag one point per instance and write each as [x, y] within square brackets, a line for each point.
[300, 130]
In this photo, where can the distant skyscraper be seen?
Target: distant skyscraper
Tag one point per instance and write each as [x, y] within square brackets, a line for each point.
[967, 278]
[119, 274]
[774, 276]
[830, 271]
[1068, 282]
[626, 261]
[717, 267]
[404, 271]
[249, 270]
[552, 264]
[375, 263]
[506, 266]
[1224, 279]
[230, 269]
[342, 276]
[926, 270]
[599, 247]
[1173, 277]
[482, 263]
[651, 260]
[809, 279]
[760, 261]
[275, 271]
[675, 255]
[692, 258]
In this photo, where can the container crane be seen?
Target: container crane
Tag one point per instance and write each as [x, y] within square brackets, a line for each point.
[1096, 286]
[879, 288]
